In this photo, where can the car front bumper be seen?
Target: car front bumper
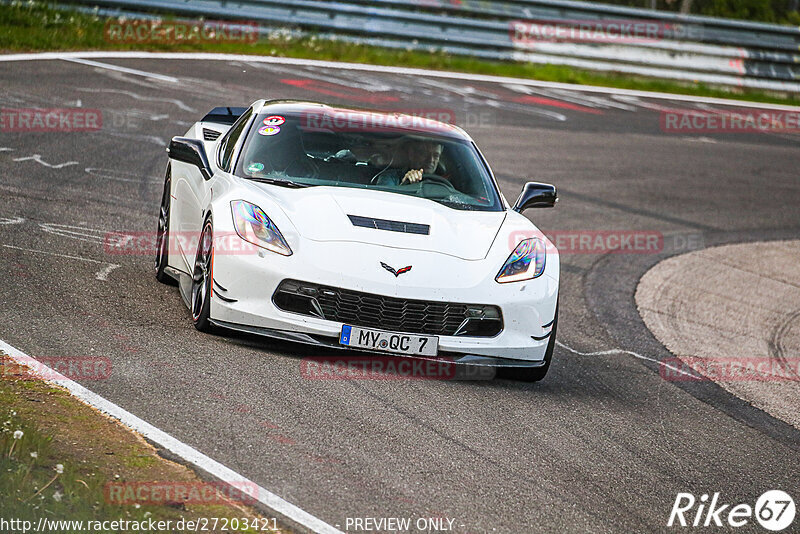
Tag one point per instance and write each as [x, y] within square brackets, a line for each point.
[244, 284]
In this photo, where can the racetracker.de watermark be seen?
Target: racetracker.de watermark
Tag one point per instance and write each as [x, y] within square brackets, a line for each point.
[176, 492]
[392, 120]
[50, 120]
[747, 369]
[389, 368]
[683, 121]
[180, 31]
[56, 368]
[610, 241]
[530, 32]
[147, 243]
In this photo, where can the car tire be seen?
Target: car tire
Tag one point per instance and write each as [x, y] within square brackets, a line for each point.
[202, 279]
[162, 236]
[534, 374]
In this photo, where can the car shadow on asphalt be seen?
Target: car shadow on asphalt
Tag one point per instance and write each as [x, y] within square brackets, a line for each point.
[558, 381]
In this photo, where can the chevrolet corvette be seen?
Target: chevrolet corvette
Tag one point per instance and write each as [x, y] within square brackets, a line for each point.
[355, 229]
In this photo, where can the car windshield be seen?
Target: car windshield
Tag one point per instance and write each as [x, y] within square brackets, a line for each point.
[293, 149]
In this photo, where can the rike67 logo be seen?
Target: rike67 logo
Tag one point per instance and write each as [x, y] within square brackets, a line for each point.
[774, 510]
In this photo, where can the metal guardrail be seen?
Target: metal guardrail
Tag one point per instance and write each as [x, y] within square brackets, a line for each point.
[702, 49]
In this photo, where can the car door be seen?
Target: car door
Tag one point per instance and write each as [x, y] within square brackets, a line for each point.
[184, 231]
[196, 193]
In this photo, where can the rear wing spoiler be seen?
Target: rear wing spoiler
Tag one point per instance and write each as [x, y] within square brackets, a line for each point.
[223, 115]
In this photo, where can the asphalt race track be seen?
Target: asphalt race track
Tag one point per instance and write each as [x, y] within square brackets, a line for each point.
[604, 444]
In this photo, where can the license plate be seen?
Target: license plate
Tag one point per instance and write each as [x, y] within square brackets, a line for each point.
[412, 344]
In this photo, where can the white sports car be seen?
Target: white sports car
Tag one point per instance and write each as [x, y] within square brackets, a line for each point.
[356, 229]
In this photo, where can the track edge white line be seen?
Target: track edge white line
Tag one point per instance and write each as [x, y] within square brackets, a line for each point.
[390, 70]
[287, 512]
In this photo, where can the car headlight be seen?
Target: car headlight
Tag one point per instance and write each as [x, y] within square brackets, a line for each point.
[525, 263]
[253, 225]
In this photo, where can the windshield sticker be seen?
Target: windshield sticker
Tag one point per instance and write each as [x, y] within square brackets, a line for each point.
[255, 167]
[269, 130]
[274, 120]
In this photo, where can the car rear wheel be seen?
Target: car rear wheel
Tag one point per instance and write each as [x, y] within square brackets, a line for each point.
[162, 236]
[534, 374]
[202, 279]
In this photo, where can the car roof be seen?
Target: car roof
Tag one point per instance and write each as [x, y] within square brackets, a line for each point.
[417, 121]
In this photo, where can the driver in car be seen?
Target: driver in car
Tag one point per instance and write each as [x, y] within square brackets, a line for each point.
[421, 156]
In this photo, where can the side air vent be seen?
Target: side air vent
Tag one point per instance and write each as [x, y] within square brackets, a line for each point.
[391, 226]
[211, 135]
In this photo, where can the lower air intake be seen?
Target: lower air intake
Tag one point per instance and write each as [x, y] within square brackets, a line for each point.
[388, 313]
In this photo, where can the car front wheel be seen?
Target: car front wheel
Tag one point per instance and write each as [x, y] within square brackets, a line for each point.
[162, 236]
[202, 279]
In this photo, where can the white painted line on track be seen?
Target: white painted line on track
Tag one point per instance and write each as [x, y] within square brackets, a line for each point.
[179, 103]
[126, 70]
[628, 352]
[102, 274]
[389, 70]
[80, 233]
[187, 453]
[38, 159]
[67, 256]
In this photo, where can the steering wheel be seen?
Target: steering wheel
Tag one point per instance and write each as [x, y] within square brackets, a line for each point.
[437, 179]
[307, 164]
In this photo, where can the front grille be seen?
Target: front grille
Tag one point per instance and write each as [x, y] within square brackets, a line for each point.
[391, 226]
[388, 313]
[211, 135]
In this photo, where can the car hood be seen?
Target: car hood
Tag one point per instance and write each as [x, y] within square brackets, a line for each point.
[324, 213]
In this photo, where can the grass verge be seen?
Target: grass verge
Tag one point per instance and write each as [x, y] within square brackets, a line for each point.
[33, 26]
[63, 461]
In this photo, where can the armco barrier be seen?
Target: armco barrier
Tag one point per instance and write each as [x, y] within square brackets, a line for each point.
[702, 49]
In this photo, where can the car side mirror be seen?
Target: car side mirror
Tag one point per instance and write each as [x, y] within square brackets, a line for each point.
[536, 195]
[190, 151]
